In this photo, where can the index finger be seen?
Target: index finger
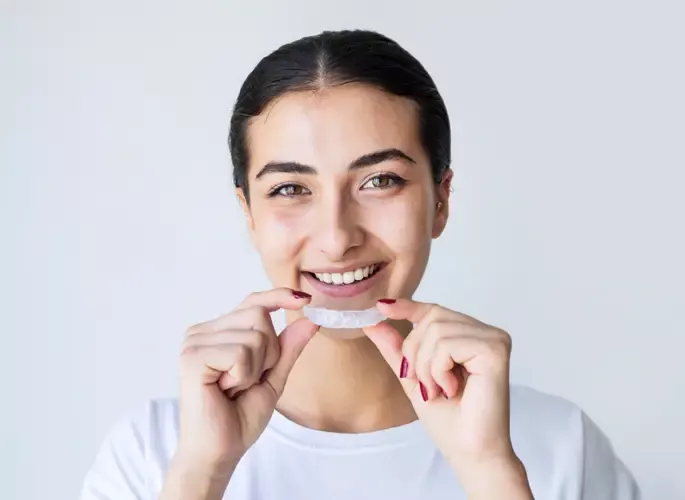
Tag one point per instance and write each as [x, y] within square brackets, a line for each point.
[278, 298]
[406, 309]
[415, 312]
[271, 301]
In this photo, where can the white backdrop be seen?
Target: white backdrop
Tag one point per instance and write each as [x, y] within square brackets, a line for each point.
[120, 227]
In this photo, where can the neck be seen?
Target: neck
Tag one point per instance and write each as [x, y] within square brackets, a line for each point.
[345, 385]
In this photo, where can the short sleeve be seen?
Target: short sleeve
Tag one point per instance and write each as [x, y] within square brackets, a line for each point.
[118, 472]
[605, 476]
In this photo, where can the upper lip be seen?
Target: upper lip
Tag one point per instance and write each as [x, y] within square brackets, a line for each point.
[341, 270]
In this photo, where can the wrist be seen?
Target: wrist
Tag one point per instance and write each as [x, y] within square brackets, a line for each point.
[502, 477]
[189, 478]
[196, 466]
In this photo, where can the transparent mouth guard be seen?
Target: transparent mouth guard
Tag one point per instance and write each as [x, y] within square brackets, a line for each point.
[328, 318]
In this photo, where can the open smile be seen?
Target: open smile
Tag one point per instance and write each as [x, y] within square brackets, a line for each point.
[345, 283]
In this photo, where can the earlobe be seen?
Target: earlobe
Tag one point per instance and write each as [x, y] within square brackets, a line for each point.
[442, 204]
[440, 219]
[244, 204]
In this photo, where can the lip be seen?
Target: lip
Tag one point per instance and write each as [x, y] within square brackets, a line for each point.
[344, 291]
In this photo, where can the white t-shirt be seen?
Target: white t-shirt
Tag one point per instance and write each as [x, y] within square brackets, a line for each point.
[566, 457]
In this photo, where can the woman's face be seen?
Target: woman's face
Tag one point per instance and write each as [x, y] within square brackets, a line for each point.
[342, 202]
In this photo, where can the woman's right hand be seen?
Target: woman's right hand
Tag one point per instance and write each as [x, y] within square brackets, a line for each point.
[233, 371]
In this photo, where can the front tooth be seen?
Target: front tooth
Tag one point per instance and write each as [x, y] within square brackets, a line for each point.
[337, 278]
[327, 277]
[348, 277]
[365, 271]
[359, 274]
[319, 276]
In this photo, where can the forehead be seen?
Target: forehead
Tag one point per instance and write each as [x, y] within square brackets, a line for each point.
[330, 127]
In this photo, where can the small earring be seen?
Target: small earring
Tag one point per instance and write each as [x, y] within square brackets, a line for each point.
[439, 205]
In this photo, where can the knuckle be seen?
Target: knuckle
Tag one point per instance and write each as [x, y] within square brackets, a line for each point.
[189, 350]
[254, 340]
[260, 339]
[423, 370]
[242, 353]
[409, 348]
[506, 339]
[197, 328]
[259, 312]
[254, 296]
[433, 311]
[435, 330]
[501, 347]
[503, 338]
[248, 301]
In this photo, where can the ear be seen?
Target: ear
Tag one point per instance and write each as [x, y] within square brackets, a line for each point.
[246, 209]
[442, 203]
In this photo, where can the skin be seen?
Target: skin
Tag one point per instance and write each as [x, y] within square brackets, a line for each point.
[340, 222]
[428, 362]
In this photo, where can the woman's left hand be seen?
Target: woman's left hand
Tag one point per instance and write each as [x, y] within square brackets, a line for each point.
[455, 371]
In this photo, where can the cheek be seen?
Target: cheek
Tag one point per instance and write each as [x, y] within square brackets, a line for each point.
[278, 237]
[405, 227]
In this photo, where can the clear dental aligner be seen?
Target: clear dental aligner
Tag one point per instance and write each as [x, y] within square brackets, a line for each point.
[328, 318]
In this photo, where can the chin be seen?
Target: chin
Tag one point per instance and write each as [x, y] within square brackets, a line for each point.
[342, 333]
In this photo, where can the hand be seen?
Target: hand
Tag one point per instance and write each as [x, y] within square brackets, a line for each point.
[233, 371]
[455, 371]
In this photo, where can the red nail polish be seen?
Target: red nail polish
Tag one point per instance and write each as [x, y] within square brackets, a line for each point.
[301, 295]
[444, 394]
[424, 392]
[387, 301]
[404, 366]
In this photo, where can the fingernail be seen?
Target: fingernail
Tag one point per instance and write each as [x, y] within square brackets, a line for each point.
[424, 392]
[301, 295]
[387, 301]
[263, 377]
[404, 366]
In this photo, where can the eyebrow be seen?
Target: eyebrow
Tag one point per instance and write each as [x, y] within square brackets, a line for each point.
[367, 160]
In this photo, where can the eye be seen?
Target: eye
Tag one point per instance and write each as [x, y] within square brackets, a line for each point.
[288, 191]
[384, 181]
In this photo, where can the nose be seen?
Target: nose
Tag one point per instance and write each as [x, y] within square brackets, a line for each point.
[337, 230]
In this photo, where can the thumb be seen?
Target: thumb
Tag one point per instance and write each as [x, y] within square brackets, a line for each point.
[292, 342]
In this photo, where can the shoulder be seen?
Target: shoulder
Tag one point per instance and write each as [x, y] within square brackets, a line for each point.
[543, 426]
[553, 418]
[135, 453]
[148, 426]
[555, 438]
[530, 406]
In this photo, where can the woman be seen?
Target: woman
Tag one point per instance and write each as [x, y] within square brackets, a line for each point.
[341, 149]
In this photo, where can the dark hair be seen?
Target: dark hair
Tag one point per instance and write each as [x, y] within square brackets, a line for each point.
[335, 58]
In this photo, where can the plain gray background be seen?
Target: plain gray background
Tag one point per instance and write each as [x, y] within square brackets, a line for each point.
[120, 226]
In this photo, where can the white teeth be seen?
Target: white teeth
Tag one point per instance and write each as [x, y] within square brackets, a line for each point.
[325, 277]
[347, 277]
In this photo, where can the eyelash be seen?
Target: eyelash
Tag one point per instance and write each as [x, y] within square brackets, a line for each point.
[276, 191]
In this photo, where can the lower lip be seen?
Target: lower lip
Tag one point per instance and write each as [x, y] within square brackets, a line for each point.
[344, 291]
